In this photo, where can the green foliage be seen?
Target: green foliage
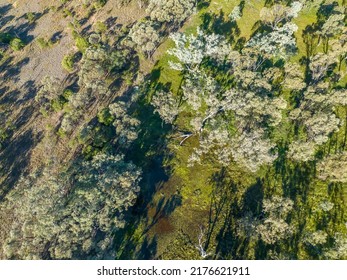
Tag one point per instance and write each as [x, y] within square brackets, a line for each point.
[99, 3]
[49, 95]
[31, 17]
[81, 43]
[16, 44]
[171, 11]
[240, 129]
[145, 36]
[68, 62]
[67, 94]
[5, 38]
[105, 117]
[58, 103]
[67, 13]
[3, 136]
[43, 43]
[72, 219]
[100, 27]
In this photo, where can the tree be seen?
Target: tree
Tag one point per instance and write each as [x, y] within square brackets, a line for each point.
[68, 62]
[127, 127]
[201, 244]
[280, 42]
[333, 26]
[320, 125]
[252, 149]
[165, 105]
[278, 13]
[171, 11]
[96, 3]
[71, 214]
[146, 37]
[333, 168]
[236, 13]
[93, 70]
[274, 226]
[51, 88]
[320, 64]
[294, 77]
[300, 150]
[339, 249]
[16, 44]
[250, 105]
[191, 50]
[316, 238]
[97, 64]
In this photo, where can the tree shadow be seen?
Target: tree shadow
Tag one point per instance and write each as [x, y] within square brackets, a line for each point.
[148, 249]
[22, 30]
[8, 96]
[12, 71]
[4, 9]
[15, 158]
[201, 4]
[325, 11]
[164, 208]
[253, 198]
[149, 152]
[56, 36]
[217, 24]
[220, 197]
[226, 210]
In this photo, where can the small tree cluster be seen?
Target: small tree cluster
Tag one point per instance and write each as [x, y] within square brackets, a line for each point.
[73, 214]
[191, 50]
[280, 41]
[250, 105]
[98, 67]
[171, 11]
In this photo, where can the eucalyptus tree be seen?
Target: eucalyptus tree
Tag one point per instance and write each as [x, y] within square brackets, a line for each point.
[127, 127]
[278, 13]
[280, 40]
[339, 249]
[146, 36]
[165, 105]
[232, 122]
[50, 89]
[274, 227]
[99, 66]
[171, 11]
[333, 168]
[316, 112]
[70, 214]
